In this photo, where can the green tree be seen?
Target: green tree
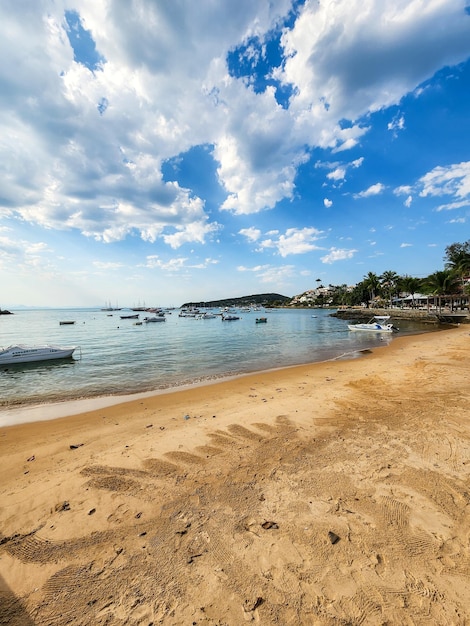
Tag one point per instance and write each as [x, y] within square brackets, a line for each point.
[457, 258]
[389, 283]
[372, 284]
[410, 285]
[341, 295]
[442, 283]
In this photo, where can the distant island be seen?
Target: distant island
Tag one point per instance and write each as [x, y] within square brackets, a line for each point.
[5, 312]
[260, 299]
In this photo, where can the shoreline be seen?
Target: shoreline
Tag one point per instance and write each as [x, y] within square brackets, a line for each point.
[45, 411]
[323, 493]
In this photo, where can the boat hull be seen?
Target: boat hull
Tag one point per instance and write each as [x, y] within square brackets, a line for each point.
[370, 328]
[30, 354]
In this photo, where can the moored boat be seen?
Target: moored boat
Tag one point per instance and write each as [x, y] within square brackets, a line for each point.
[66, 322]
[261, 320]
[156, 318]
[377, 324]
[26, 354]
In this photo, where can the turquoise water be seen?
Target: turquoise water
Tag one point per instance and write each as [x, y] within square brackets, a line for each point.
[117, 357]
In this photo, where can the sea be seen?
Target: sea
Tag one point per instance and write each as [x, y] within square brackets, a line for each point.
[117, 357]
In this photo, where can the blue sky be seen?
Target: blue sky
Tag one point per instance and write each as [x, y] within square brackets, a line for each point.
[160, 152]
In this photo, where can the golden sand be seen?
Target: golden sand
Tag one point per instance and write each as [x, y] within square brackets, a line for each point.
[325, 494]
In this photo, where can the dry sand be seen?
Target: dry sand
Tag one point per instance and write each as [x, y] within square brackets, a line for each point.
[333, 493]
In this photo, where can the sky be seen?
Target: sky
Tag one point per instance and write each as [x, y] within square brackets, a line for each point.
[163, 152]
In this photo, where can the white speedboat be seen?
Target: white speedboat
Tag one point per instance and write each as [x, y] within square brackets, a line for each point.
[147, 320]
[378, 324]
[27, 354]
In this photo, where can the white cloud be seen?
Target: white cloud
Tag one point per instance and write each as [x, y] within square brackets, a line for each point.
[273, 275]
[404, 189]
[176, 264]
[24, 257]
[373, 190]
[206, 263]
[336, 254]
[294, 241]
[252, 233]
[398, 123]
[406, 245]
[350, 56]
[107, 265]
[338, 174]
[75, 164]
[327, 203]
[453, 205]
[339, 170]
[256, 268]
[193, 232]
[453, 180]
[172, 265]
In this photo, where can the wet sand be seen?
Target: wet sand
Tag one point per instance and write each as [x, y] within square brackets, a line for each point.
[325, 494]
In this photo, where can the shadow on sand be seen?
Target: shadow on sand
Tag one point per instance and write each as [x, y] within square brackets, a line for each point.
[12, 611]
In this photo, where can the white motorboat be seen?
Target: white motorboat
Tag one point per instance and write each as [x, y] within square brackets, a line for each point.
[147, 320]
[27, 354]
[377, 324]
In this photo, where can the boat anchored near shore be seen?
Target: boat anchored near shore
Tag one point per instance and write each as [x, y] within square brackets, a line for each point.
[27, 354]
[377, 324]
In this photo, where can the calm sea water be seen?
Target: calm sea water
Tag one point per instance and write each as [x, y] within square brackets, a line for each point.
[117, 357]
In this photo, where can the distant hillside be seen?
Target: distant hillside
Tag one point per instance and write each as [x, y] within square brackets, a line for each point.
[260, 299]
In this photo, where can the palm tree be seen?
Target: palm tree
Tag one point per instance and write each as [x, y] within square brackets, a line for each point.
[372, 284]
[389, 282]
[458, 258]
[410, 284]
[442, 283]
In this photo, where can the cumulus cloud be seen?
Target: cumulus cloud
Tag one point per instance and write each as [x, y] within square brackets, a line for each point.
[398, 123]
[339, 171]
[252, 233]
[351, 56]
[338, 174]
[373, 190]
[337, 254]
[294, 241]
[452, 181]
[84, 144]
[268, 274]
[327, 203]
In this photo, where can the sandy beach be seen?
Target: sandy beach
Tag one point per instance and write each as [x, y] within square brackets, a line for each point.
[325, 494]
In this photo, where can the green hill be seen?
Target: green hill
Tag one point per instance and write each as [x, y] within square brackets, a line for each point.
[260, 299]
